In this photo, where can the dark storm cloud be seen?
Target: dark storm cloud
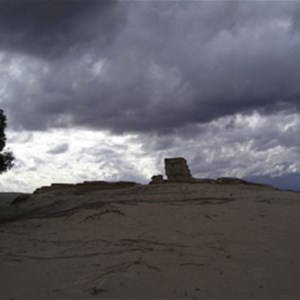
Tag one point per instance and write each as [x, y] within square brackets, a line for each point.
[53, 28]
[171, 65]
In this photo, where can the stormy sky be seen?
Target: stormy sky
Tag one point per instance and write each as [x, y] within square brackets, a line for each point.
[104, 90]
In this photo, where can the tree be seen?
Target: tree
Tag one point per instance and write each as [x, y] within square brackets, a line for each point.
[6, 157]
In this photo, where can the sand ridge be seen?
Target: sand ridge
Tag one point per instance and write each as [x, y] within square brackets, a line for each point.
[164, 241]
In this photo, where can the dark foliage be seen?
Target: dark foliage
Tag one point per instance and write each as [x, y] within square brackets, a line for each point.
[6, 157]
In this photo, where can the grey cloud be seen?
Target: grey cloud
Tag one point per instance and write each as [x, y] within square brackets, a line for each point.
[22, 165]
[253, 145]
[172, 65]
[52, 28]
[19, 138]
[248, 146]
[111, 157]
[59, 149]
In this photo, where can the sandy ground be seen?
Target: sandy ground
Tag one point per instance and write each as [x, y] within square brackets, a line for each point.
[168, 241]
[6, 198]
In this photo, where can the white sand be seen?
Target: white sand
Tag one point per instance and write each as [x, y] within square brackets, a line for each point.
[169, 241]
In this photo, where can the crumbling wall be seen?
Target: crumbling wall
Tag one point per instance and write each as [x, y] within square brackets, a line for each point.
[87, 186]
[155, 179]
[177, 169]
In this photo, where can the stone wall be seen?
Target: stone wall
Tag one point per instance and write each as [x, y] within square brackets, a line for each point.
[87, 186]
[155, 179]
[177, 170]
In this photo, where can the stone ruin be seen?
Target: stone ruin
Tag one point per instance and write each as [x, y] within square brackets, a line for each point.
[176, 170]
[86, 186]
[157, 179]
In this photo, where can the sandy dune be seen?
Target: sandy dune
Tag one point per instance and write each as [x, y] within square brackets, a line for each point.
[164, 241]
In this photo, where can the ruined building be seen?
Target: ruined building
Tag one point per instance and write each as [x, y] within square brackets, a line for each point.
[176, 170]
